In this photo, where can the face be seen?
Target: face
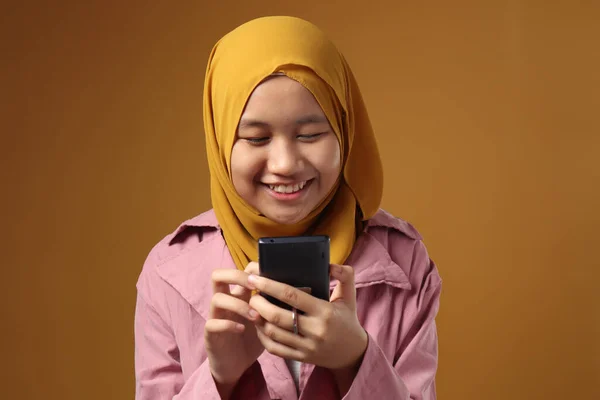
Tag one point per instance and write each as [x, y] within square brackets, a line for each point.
[286, 157]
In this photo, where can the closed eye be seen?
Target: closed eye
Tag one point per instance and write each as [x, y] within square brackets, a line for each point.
[311, 137]
[257, 140]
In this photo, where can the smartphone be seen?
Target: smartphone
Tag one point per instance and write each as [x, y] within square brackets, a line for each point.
[299, 261]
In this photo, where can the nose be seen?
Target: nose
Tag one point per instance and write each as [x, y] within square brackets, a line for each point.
[285, 158]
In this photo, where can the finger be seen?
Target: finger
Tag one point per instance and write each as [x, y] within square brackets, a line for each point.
[279, 349]
[309, 326]
[223, 277]
[286, 293]
[252, 268]
[286, 337]
[345, 289]
[270, 312]
[224, 302]
[223, 326]
[240, 292]
[275, 315]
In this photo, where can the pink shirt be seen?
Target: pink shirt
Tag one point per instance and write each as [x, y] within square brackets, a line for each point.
[398, 290]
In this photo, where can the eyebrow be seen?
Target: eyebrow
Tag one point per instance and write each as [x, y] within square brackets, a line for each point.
[305, 120]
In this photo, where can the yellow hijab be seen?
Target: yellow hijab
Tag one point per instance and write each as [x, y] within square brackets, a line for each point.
[238, 63]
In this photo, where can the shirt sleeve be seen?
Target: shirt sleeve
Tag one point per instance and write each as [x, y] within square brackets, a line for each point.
[411, 375]
[158, 371]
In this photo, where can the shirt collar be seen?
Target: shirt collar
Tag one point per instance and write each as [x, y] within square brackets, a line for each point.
[204, 220]
[371, 260]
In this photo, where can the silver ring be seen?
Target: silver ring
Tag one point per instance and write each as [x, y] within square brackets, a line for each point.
[295, 320]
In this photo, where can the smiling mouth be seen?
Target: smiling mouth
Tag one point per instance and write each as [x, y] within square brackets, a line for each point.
[289, 189]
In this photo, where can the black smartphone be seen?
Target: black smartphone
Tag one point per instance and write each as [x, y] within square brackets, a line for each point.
[299, 261]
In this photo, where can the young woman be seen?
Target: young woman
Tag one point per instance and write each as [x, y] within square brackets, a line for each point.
[291, 151]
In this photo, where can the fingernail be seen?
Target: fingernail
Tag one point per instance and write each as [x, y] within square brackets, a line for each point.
[253, 314]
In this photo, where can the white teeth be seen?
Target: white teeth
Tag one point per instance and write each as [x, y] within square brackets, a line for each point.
[288, 188]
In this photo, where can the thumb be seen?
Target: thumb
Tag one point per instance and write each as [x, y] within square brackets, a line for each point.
[345, 290]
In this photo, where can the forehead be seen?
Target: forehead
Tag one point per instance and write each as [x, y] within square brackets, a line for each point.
[280, 95]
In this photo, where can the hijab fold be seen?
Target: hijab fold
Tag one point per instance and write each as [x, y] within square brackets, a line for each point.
[238, 63]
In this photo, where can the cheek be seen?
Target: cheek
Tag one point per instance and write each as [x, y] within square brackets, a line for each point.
[328, 161]
[244, 168]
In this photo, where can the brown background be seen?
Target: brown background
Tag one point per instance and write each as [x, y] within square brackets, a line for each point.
[487, 117]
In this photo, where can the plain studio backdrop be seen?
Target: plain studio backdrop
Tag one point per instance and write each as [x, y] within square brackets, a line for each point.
[487, 119]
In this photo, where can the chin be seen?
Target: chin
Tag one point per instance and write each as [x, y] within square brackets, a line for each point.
[286, 219]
